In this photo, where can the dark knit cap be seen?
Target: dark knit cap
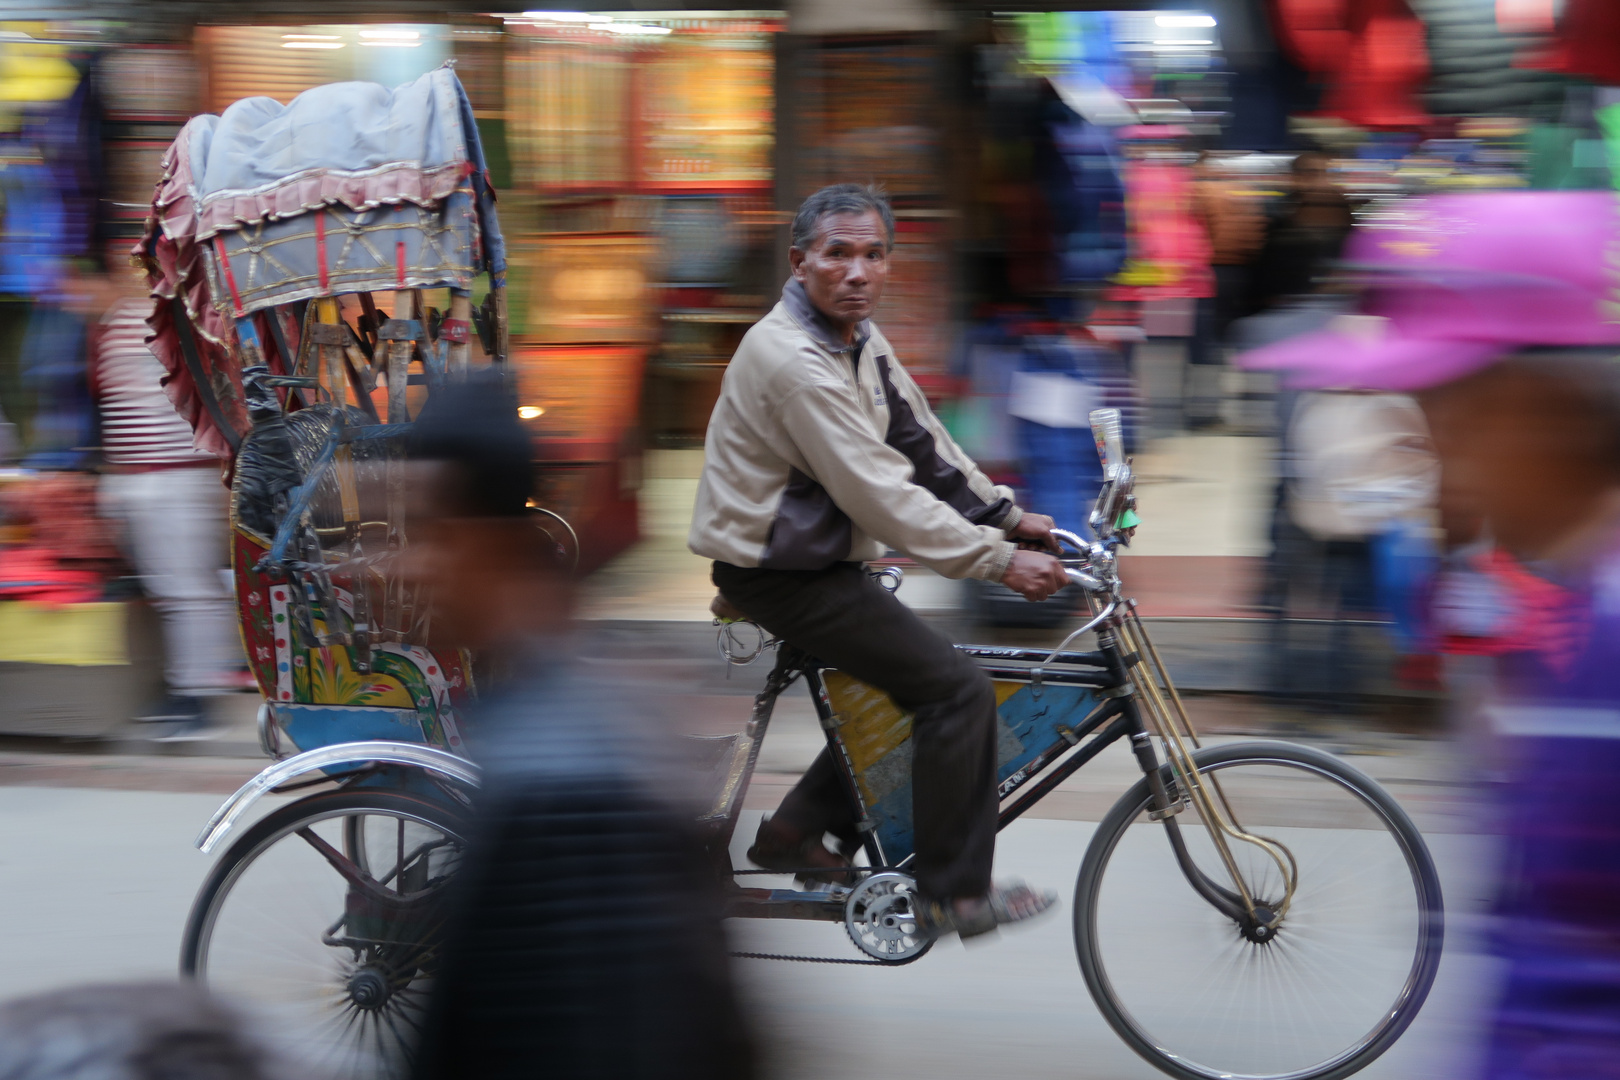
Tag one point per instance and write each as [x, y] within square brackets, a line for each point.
[471, 423]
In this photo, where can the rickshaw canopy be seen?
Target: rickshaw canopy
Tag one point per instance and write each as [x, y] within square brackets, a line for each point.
[351, 187]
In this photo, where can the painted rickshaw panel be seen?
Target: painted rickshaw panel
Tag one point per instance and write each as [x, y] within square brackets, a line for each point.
[319, 698]
[877, 736]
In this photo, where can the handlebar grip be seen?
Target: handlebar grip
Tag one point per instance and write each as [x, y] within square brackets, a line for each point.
[1084, 580]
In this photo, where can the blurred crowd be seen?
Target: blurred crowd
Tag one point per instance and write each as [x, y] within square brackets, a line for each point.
[1095, 208]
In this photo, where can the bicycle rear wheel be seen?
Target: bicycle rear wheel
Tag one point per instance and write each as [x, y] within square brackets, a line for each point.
[1348, 966]
[324, 919]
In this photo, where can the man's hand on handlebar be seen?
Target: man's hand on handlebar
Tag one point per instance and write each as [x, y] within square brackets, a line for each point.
[1036, 530]
[1035, 575]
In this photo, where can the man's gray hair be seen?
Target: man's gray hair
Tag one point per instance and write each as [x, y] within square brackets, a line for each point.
[840, 199]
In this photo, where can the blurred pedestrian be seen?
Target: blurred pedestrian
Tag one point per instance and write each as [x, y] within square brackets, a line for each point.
[139, 1031]
[585, 940]
[1496, 308]
[173, 510]
[1306, 230]
[1230, 215]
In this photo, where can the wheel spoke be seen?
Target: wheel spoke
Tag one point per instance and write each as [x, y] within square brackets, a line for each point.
[258, 927]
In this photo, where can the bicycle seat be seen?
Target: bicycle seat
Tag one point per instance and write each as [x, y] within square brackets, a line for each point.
[724, 609]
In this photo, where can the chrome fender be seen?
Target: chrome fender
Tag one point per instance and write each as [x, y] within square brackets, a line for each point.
[373, 752]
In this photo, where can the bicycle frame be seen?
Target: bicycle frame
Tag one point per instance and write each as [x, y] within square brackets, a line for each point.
[1117, 717]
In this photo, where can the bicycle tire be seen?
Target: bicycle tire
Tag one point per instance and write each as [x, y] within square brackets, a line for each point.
[340, 807]
[1428, 905]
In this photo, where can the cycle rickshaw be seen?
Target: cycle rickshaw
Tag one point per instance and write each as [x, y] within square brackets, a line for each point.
[314, 266]
[1248, 909]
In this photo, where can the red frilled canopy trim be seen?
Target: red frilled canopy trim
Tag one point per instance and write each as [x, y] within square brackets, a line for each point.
[391, 184]
[170, 252]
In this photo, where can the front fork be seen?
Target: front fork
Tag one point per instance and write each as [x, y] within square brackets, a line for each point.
[1155, 710]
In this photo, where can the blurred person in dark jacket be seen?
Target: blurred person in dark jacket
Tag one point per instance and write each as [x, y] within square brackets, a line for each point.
[1305, 233]
[585, 940]
[1228, 210]
[138, 1031]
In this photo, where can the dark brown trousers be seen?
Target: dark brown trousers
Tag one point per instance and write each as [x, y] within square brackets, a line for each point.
[848, 621]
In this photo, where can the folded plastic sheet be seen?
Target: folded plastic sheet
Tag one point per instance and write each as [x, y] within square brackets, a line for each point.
[354, 143]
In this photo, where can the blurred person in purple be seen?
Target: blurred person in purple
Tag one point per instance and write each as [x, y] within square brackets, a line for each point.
[585, 937]
[170, 503]
[1493, 309]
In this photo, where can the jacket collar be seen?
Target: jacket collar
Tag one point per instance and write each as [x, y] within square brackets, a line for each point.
[817, 325]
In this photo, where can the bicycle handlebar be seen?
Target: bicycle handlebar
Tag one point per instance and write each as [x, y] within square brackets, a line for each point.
[1084, 580]
[1073, 540]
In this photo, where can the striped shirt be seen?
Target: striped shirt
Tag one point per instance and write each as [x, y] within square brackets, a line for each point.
[139, 425]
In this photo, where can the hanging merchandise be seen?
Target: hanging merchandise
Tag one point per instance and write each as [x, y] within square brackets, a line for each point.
[1586, 41]
[1086, 197]
[1264, 86]
[1077, 50]
[68, 135]
[34, 72]
[1475, 64]
[1370, 53]
[1076, 151]
[62, 434]
[50, 168]
[1170, 253]
[30, 251]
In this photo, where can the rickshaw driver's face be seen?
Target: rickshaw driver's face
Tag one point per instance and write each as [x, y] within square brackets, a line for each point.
[845, 268]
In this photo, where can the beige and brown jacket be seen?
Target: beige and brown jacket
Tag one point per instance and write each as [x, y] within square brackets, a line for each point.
[820, 452]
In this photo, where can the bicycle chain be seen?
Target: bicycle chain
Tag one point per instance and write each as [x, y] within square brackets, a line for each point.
[811, 959]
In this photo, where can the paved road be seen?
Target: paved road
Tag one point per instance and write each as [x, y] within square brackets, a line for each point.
[100, 879]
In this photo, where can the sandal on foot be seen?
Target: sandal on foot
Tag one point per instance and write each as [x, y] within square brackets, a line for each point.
[1001, 906]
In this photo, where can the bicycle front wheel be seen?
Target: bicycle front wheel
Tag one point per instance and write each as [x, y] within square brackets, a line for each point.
[1333, 986]
[325, 920]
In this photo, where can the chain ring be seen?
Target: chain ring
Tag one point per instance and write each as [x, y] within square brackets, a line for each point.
[881, 918]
